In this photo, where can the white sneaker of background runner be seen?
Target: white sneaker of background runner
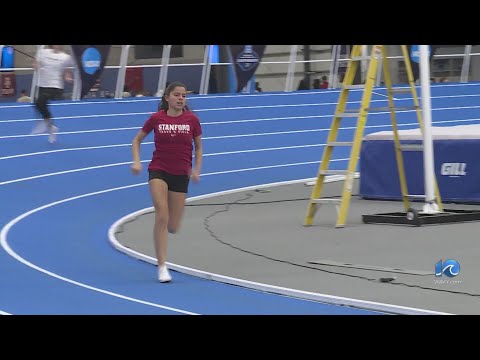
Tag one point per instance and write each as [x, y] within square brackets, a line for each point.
[40, 128]
[52, 137]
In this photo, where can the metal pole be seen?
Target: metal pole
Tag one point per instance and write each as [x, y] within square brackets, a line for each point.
[162, 81]
[429, 169]
[247, 87]
[35, 78]
[77, 84]
[291, 68]
[209, 69]
[364, 61]
[379, 71]
[121, 72]
[466, 64]
[205, 71]
[338, 49]
[307, 67]
[333, 62]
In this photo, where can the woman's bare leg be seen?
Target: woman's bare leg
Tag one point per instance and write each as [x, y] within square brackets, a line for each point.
[176, 207]
[159, 192]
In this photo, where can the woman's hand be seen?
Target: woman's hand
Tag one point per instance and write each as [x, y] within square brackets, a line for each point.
[195, 176]
[136, 168]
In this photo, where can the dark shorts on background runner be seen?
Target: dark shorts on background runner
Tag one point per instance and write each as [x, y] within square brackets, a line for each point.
[44, 96]
[177, 183]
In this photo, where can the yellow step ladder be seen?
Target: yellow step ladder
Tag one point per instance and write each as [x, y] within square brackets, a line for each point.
[378, 53]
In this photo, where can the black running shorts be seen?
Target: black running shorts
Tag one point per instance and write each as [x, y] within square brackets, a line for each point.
[177, 183]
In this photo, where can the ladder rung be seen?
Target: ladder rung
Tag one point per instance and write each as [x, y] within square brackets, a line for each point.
[401, 90]
[351, 87]
[386, 108]
[349, 114]
[347, 109]
[332, 172]
[411, 147]
[326, 201]
[403, 108]
[360, 58]
[416, 196]
[340, 143]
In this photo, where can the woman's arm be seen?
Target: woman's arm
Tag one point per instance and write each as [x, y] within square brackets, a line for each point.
[68, 76]
[136, 167]
[198, 158]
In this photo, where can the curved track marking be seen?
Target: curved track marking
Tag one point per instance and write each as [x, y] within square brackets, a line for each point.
[329, 299]
[145, 161]
[9, 250]
[4, 231]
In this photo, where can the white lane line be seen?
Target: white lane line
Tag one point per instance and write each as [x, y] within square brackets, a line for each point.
[196, 110]
[239, 108]
[205, 138]
[78, 117]
[62, 173]
[240, 95]
[330, 299]
[70, 149]
[9, 250]
[236, 121]
[6, 228]
[232, 136]
[145, 161]
[71, 132]
[383, 95]
[190, 98]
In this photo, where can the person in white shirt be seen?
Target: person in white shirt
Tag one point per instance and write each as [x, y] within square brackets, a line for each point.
[24, 97]
[54, 67]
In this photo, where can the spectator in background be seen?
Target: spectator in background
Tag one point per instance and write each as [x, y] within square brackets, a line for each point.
[257, 87]
[302, 85]
[159, 93]
[24, 97]
[126, 92]
[140, 93]
[324, 84]
[54, 67]
[316, 84]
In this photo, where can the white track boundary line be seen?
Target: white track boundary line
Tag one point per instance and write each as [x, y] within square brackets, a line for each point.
[224, 137]
[9, 250]
[329, 299]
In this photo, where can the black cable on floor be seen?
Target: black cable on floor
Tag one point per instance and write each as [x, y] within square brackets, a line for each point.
[248, 196]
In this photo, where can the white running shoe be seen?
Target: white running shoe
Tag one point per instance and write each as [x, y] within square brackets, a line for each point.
[53, 137]
[163, 274]
[40, 128]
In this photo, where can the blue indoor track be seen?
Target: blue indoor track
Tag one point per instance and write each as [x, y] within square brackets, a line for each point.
[57, 201]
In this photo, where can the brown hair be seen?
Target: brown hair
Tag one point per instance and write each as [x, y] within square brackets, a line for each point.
[164, 104]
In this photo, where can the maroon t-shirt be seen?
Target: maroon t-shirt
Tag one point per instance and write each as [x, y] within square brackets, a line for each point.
[173, 138]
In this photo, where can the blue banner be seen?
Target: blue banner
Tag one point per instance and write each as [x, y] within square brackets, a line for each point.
[245, 59]
[414, 54]
[91, 60]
